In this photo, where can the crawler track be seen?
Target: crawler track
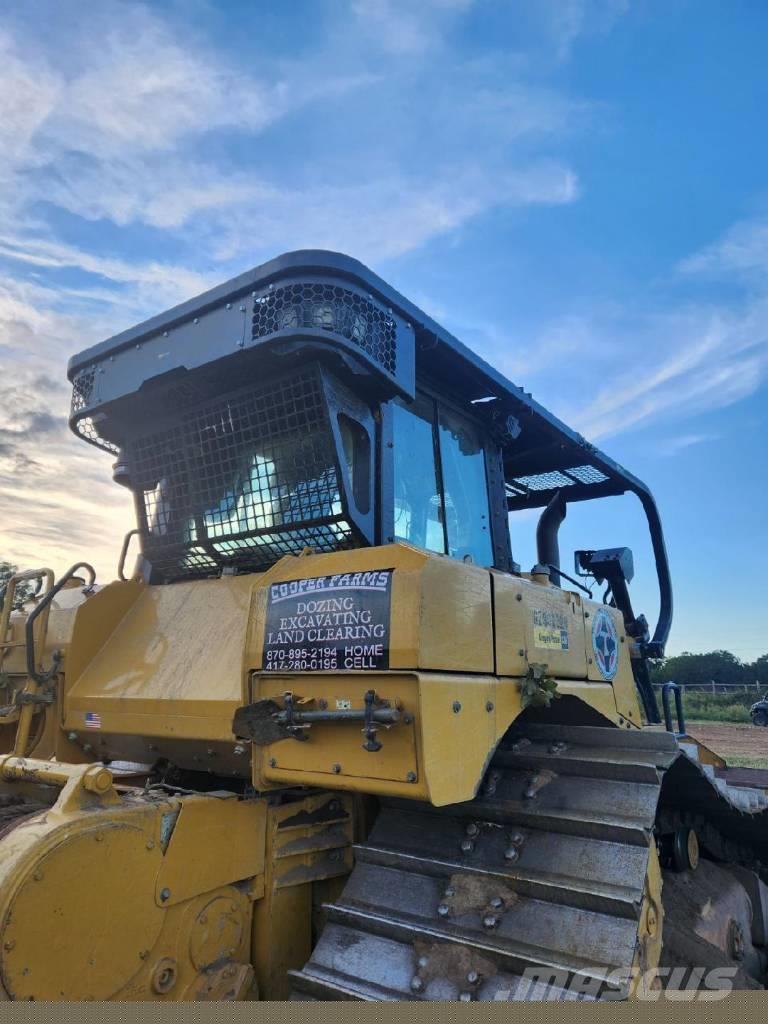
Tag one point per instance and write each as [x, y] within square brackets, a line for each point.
[545, 869]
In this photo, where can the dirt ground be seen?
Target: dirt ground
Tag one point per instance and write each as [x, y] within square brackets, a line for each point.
[741, 745]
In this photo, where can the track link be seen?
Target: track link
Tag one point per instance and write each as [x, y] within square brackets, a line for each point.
[545, 869]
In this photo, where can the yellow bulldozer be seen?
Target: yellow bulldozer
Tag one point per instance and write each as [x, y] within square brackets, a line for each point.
[327, 739]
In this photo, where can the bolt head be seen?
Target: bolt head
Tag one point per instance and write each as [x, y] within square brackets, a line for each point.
[497, 902]
[473, 977]
[72, 737]
[511, 854]
[410, 777]
[456, 707]
[273, 762]
[465, 997]
[449, 892]
[336, 769]
[467, 846]
[443, 910]
[490, 921]
[165, 894]
[423, 961]
[489, 706]
[472, 829]
[417, 984]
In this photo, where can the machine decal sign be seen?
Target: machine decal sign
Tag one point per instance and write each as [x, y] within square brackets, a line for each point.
[92, 720]
[605, 643]
[550, 629]
[329, 623]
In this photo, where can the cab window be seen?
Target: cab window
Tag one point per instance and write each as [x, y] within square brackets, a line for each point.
[441, 493]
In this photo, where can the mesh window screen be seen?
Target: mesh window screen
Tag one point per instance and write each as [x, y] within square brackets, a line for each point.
[242, 480]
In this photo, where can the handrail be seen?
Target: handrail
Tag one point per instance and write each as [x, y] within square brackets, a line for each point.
[42, 677]
[666, 689]
[124, 553]
[8, 593]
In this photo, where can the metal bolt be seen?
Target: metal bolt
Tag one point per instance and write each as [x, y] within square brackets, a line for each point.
[239, 342]
[516, 838]
[465, 997]
[8, 946]
[407, 719]
[242, 309]
[467, 846]
[456, 707]
[228, 306]
[410, 777]
[165, 894]
[511, 853]
[497, 902]
[72, 737]
[518, 597]
[521, 652]
[99, 838]
[472, 829]
[336, 768]
[416, 983]
[165, 335]
[150, 844]
[490, 921]
[443, 910]
[423, 961]
[87, 748]
[489, 705]
[450, 891]
[273, 762]
[196, 320]
[473, 977]
[239, 749]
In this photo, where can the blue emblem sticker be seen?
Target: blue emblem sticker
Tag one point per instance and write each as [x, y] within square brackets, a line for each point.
[605, 643]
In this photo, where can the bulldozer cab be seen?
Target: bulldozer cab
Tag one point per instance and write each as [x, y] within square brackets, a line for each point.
[306, 404]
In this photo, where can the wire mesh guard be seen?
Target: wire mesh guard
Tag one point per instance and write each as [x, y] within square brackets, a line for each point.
[521, 486]
[241, 481]
[330, 308]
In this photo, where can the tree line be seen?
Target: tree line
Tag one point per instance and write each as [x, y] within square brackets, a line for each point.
[719, 667]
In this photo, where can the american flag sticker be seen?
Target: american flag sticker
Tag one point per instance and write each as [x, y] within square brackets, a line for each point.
[92, 720]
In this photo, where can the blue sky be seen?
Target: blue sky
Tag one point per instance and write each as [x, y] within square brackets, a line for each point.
[576, 188]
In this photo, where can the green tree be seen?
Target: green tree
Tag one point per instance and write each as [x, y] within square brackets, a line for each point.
[759, 670]
[23, 591]
[719, 667]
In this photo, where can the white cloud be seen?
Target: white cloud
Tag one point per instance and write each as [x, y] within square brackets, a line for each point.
[406, 28]
[743, 250]
[671, 446]
[567, 20]
[57, 502]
